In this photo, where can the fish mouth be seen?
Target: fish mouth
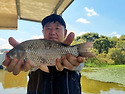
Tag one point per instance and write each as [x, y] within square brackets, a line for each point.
[8, 55]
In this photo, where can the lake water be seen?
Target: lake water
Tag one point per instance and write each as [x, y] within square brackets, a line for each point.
[10, 84]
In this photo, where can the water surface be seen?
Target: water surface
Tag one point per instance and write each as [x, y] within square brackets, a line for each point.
[10, 84]
[96, 87]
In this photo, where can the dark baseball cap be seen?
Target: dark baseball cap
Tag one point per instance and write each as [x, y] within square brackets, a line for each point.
[53, 18]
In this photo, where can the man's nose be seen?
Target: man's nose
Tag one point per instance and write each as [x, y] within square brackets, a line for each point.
[52, 31]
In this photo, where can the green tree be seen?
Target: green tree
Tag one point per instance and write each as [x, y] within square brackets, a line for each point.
[90, 37]
[122, 38]
[114, 38]
[121, 45]
[77, 38]
[102, 36]
[113, 41]
[102, 45]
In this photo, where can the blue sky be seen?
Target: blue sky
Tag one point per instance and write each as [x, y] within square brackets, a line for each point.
[105, 17]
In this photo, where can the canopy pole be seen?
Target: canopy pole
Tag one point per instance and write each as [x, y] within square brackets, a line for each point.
[57, 6]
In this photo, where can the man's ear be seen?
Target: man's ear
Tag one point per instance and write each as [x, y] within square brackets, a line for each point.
[43, 32]
[65, 33]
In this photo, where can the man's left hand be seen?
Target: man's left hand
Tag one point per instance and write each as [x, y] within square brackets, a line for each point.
[68, 61]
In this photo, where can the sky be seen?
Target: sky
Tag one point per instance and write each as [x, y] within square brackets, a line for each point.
[105, 17]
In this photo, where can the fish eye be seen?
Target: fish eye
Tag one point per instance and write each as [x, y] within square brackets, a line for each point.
[13, 53]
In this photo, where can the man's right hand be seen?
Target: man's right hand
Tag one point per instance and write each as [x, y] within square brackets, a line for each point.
[15, 65]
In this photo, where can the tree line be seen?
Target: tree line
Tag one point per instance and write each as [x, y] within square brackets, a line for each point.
[108, 50]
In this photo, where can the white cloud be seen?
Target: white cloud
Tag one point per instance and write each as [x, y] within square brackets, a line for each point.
[115, 34]
[77, 33]
[37, 37]
[5, 46]
[118, 36]
[81, 33]
[91, 12]
[1, 39]
[82, 20]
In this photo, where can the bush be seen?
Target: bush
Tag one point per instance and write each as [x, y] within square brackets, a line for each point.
[94, 62]
[117, 55]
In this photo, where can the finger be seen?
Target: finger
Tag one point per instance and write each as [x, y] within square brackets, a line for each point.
[12, 65]
[66, 63]
[6, 57]
[72, 59]
[59, 66]
[87, 54]
[17, 68]
[6, 62]
[13, 42]
[80, 59]
[26, 67]
[69, 38]
[5, 54]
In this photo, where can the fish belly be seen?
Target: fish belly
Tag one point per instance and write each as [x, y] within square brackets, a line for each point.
[48, 56]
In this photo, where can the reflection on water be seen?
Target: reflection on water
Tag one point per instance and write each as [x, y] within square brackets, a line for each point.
[10, 84]
[97, 87]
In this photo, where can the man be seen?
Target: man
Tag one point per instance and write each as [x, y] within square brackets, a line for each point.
[64, 78]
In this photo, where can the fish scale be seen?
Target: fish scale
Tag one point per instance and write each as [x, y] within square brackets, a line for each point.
[45, 52]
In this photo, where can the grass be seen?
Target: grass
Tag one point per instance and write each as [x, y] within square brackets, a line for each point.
[109, 73]
[115, 66]
[89, 64]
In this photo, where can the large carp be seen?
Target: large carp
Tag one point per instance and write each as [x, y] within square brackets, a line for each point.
[45, 52]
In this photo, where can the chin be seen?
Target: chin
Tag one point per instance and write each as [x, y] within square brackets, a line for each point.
[54, 39]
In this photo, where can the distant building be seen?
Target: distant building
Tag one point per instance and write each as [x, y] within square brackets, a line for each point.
[2, 57]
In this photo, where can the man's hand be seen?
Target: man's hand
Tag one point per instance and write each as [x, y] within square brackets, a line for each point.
[68, 61]
[15, 65]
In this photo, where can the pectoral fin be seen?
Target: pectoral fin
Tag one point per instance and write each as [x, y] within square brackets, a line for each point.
[44, 68]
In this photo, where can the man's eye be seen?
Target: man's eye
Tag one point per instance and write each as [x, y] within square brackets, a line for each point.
[57, 28]
[48, 28]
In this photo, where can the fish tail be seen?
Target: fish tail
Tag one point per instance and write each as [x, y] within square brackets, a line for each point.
[83, 49]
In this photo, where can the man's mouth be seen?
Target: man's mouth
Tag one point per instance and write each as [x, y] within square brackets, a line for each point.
[53, 38]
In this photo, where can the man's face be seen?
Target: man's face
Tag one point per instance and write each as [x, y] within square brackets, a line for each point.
[54, 31]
